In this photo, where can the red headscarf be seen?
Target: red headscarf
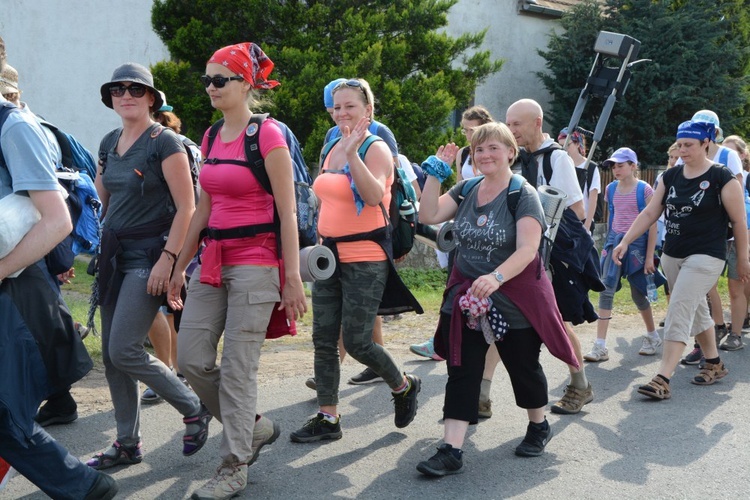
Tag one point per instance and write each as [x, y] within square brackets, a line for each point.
[248, 61]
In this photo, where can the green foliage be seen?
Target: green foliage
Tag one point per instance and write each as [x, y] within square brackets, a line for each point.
[699, 60]
[393, 44]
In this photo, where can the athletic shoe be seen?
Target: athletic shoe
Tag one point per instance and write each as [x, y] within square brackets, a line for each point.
[149, 397]
[367, 376]
[317, 429]
[485, 408]
[104, 488]
[597, 353]
[230, 479]
[311, 383]
[721, 332]
[265, 431]
[537, 437]
[405, 403]
[733, 342]
[425, 349]
[442, 463]
[573, 400]
[693, 357]
[649, 345]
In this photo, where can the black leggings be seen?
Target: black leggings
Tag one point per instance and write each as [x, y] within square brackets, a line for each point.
[519, 352]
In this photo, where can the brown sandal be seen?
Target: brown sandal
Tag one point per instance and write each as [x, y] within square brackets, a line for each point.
[658, 388]
[710, 374]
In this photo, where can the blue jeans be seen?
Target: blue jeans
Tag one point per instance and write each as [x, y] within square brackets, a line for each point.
[47, 464]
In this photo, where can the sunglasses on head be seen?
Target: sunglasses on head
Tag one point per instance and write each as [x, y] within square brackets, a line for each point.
[355, 84]
[135, 89]
[218, 81]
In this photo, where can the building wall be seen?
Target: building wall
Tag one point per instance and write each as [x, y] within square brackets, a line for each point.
[64, 50]
[513, 37]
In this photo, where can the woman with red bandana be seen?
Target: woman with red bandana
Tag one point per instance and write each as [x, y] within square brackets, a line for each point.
[242, 279]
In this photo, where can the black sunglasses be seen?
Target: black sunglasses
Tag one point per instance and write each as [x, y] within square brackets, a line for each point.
[355, 84]
[218, 81]
[135, 89]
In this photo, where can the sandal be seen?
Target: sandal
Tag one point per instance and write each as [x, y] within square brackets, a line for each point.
[118, 454]
[658, 388]
[710, 373]
[196, 432]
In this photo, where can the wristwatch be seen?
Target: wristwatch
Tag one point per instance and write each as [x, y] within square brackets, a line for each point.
[498, 277]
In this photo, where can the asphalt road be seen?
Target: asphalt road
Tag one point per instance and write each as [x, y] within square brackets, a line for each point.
[621, 446]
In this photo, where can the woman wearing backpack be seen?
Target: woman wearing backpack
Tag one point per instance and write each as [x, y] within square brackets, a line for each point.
[700, 199]
[627, 197]
[354, 187]
[148, 203]
[246, 270]
[498, 295]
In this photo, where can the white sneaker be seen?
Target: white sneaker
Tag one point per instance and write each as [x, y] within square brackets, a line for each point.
[229, 481]
[597, 353]
[649, 345]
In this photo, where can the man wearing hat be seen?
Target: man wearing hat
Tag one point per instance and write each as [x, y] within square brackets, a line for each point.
[42, 353]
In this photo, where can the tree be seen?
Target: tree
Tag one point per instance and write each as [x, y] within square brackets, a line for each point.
[418, 74]
[696, 62]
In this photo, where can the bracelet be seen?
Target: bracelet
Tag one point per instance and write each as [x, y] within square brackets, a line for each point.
[171, 254]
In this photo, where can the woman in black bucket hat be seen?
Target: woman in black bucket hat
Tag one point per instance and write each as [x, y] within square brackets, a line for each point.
[146, 190]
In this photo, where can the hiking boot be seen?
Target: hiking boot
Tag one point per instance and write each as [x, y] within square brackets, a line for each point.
[149, 397]
[104, 488]
[573, 400]
[442, 463]
[317, 429]
[485, 408]
[650, 345]
[196, 431]
[367, 376]
[426, 349]
[311, 383]
[266, 431]
[405, 403]
[118, 454]
[733, 342]
[721, 332]
[59, 409]
[537, 437]
[710, 373]
[229, 481]
[693, 357]
[597, 353]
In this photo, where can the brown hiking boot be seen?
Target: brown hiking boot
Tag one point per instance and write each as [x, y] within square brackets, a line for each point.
[573, 400]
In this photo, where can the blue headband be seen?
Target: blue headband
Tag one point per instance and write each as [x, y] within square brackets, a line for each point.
[696, 130]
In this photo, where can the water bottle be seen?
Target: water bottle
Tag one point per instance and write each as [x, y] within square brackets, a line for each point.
[651, 293]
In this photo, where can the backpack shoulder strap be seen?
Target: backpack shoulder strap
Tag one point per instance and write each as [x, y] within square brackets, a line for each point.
[640, 195]
[514, 192]
[610, 200]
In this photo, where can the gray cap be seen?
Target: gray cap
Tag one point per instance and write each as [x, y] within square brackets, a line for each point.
[135, 73]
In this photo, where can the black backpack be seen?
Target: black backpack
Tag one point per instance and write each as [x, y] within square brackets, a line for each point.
[307, 203]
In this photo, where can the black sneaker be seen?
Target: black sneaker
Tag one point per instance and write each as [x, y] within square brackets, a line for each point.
[442, 463]
[368, 376]
[405, 403]
[537, 437]
[317, 429]
[104, 488]
[60, 408]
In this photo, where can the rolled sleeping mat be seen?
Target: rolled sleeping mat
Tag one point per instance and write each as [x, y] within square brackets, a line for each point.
[316, 263]
[439, 237]
[553, 205]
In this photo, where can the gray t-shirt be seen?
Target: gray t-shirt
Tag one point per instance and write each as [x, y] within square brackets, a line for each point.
[135, 181]
[486, 237]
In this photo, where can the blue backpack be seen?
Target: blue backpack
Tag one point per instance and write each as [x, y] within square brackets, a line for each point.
[307, 202]
[83, 201]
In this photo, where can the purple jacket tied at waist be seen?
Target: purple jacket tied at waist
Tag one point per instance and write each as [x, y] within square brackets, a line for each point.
[532, 294]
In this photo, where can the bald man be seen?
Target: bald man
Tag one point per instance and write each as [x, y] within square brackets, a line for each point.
[525, 118]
